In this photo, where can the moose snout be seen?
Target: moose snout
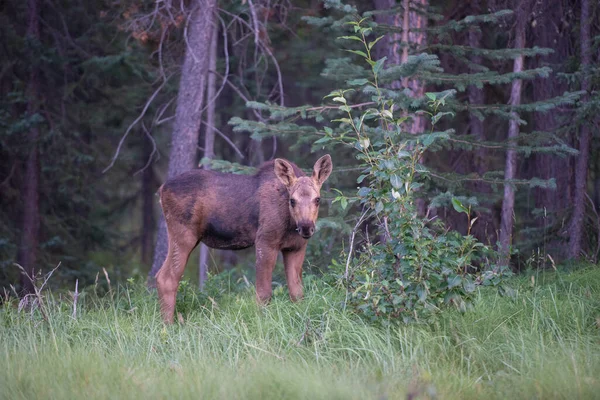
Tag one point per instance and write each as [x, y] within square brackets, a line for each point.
[306, 229]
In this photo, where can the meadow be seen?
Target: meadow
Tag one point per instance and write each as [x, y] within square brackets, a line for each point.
[543, 342]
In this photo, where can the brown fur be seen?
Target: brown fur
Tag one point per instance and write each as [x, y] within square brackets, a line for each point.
[227, 211]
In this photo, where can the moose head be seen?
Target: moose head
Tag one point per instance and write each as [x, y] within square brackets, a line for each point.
[304, 192]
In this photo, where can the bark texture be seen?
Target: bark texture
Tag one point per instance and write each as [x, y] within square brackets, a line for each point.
[485, 229]
[30, 227]
[554, 202]
[209, 141]
[510, 169]
[148, 198]
[581, 168]
[396, 47]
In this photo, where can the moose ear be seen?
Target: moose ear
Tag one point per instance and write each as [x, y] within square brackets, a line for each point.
[322, 169]
[285, 172]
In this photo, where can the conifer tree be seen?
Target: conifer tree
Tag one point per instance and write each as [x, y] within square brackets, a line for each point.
[442, 181]
[581, 170]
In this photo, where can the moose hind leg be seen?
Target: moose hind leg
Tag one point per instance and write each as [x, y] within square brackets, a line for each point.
[169, 275]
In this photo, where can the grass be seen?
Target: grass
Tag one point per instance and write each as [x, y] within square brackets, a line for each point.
[543, 343]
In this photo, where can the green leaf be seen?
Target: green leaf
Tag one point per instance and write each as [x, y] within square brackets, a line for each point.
[454, 281]
[357, 82]
[335, 93]
[343, 120]
[422, 293]
[324, 139]
[371, 44]
[387, 113]
[344, 202]
[339, 99]
[351, 38]
[396, 181]
[364, 191]
[428, 139]
[430, 95]
[378, 207]
[378, 65]
[458, 206]
[366, 31]
[468, 285]
[371, 62]
[360, 53]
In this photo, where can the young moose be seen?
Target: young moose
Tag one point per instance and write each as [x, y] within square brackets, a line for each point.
[274, 210]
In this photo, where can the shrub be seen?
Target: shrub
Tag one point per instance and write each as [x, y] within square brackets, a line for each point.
[415, 266]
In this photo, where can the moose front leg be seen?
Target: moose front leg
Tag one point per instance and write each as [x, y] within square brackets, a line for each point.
[266, 257]
[292, 261]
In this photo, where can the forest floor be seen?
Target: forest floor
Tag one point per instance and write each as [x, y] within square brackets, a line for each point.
[542, 343]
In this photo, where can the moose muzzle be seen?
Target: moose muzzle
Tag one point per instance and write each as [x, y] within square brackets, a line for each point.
[306, 229]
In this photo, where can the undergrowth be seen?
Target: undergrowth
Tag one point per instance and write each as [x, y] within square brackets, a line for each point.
[542, 343]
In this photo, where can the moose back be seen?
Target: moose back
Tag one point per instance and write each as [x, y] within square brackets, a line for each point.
[274, 210]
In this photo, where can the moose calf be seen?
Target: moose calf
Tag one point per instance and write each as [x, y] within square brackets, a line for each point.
[273, 210]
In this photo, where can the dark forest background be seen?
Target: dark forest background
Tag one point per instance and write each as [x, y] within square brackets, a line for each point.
[101, 101]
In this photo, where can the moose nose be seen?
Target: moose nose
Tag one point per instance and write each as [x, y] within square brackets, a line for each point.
[306, 229]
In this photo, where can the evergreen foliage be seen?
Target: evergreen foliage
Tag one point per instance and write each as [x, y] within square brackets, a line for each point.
[91, 83]
[101, 63]
[489, 74]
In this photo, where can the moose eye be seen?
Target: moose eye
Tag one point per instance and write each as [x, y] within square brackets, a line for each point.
[292, 202]
[318, 200]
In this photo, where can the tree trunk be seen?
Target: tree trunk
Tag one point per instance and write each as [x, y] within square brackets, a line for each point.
[485, 228]
[148, 220]
[192, 86]
[390, 45]
[508, 202]
[27, 254]
[576, 225]
[414, 37]
[209, 141]
[554, 202]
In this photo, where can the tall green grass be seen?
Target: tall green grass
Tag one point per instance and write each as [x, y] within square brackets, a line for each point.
[542, 343]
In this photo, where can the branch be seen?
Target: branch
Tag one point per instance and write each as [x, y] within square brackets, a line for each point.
[223, 77]
[360, 221]
[226, 139]
[262, 45]
[255, 23]
[133, 124]
[149, 136]
[321, 108]
[37, 292]
[10, 174]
